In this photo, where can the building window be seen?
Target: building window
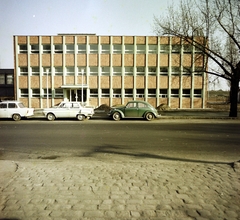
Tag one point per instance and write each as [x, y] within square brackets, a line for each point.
[152, 93]
[128, 92]
[175, 93]
[129, 49]
[23, 71]
[93, 71]
[141, 48]
[105, 71]
[187, 48]
[141, 70]
[93, 48]
[186, 93]
[164, 48]
[46, 48]
[105, 93]
[35, 71]
[2, 79]
[199, 71]
[197, 93]
[9, 79]
[23, 48]
[164, 70]
[23, 93]
[176, 70]
[163, 93]
[140, 93]
[152, 48]
[186, 71]
[128, 70]
[152, 70]
[45, 70]
[58, 93]
[93, 93]
[59, 71]
[36, 93]
[117, 48]
[117, 71]
[80, 68]
[176, 48]
[70, 70]
[106, 48]
[117, 93]
[82, 48]
[58, 48]
[70, 48]
[34, 48]
[45, 93]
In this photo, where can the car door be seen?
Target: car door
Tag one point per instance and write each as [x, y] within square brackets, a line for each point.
[63, 110]
[74, 109]
[131, 110]
[3, 110]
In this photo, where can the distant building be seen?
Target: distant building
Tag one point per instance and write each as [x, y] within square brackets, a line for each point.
[6, 84]
[108, 70]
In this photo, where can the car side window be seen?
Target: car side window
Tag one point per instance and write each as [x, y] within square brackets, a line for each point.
[141, 105]
[131, 105]
[68, 105]
[12, 105]
[3, 105]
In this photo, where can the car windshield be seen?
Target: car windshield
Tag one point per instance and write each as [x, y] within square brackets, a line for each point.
[21, 105]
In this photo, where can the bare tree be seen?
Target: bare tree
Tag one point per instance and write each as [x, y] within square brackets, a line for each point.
[218, 23]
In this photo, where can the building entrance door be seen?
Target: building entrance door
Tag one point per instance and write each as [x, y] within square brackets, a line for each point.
[76, 95]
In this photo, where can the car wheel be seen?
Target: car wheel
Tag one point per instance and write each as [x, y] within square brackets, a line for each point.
[16, 117]
[116, 116]
[50, 117]
[149, 116]
[81, 117]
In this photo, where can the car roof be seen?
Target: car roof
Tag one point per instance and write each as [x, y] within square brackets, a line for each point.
[138, 101]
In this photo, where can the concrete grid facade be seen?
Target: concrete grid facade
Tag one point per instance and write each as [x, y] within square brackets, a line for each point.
[108, 70]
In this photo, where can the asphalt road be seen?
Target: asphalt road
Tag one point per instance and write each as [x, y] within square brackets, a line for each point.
[184, 140]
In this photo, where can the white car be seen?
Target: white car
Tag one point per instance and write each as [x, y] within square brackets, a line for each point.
[15, 110]
[68, 110]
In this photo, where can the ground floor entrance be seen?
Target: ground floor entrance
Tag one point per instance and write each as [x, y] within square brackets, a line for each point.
[77, 95]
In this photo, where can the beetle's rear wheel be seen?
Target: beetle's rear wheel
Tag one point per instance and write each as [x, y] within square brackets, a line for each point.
[116, 116]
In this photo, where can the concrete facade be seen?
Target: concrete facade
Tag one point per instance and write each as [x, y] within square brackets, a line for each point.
[108, 70]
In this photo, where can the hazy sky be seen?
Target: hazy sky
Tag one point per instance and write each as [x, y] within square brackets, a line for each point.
[50, 17]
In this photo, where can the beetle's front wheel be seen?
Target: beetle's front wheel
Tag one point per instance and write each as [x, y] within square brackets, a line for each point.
[149, 116]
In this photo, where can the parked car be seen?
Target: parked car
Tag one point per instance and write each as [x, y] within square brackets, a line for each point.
[134, 109]
[15, 110]
[69, 110]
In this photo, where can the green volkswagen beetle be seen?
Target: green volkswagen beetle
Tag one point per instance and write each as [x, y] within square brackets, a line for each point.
[134, 109]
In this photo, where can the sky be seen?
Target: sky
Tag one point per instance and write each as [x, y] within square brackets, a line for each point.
[52, 17]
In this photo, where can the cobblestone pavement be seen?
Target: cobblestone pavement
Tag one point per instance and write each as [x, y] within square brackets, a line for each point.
[120, 188]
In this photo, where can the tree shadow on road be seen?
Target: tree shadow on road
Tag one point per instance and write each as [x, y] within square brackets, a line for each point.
[117, 150]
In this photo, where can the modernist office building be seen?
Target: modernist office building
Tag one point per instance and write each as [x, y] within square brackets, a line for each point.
[108, 70]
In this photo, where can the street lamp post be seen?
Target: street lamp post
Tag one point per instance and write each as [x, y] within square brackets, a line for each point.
[82, 70]
[47, 70]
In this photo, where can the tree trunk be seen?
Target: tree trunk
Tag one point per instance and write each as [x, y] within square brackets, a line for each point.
[234, 94]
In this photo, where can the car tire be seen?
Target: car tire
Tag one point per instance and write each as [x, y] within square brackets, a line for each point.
[149, 116]
[116, 116]
[16, 117]
[50, 117]
[81, 117]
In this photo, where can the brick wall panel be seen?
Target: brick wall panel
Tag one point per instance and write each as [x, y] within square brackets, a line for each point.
[163, 82]
[117, 40]
[105, 60]
[69, 79]
[58, 59]
[93, 39]
[34, 59]
[140, 82]
[187, 60]
[93, 82]
[174, 103]
[81, 59]
[34, 40]
[46, 39]
[69, 39]
[164, 40]
[164, 59]
[23, 82]
[105, 82]
[22, 60]
[46, 59]
[152, 40]
[197, 103]
[58, 81]
[81, 39]
[35, 102]
[141, 60]
[35, 82]
[57, 39]
[44, 81]
[198, 82]
[141, 40]
[128, 82]
[175, 60]
[22, 39]
[117, 60]
[93, 60]
[105, 40]
[186, 102]
[128, 59]
[175, 82]
[186, 82]
[117, 82]
[152, 82]
[69, 59]
[128, 39]
[152, 59]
